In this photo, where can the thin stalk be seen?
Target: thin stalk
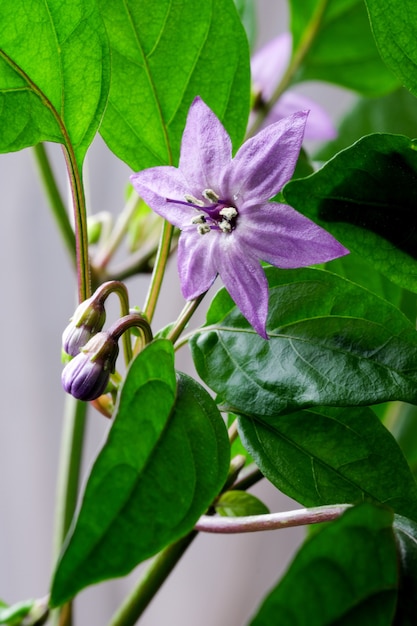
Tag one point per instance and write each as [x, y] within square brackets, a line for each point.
[271, 521]
[184, 317]
[59, 210]
[68, 482]
[160, 568]
[296, 60]
[158, 271]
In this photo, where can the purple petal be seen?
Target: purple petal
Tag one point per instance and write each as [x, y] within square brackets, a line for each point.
[206, 149]
[269, 63]
[265, 162]
[285, 238]
[196, 262]
[319, 124]
[246, 283]
[156, 185]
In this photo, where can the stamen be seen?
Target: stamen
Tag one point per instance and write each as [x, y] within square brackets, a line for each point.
[228, 212]
[225, 226]
[191, 200]
[199, 219]
[203, 229]
[210, 195]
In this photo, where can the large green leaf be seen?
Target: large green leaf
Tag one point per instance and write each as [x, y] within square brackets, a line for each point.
[366, 196]
[327, 455]
[165, 460]
[163, 55]
[54, 73]
[331, 342]
[344, 575]
[394, 24]
[406, 535]
[335, 43]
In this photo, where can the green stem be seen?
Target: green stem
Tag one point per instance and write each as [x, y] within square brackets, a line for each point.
[158, 271]
[68, 481]
[184, 318]
[57, 205]
[160, 568]
[80, 220]
[298, 57]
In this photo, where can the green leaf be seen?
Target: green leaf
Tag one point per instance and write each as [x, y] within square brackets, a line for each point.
[54, 73]
[393, 113]
[238, 504]
[326, 455]
[331, 342]
[13, 615]
[163, 55]
[366, 196]
[406, 535]
[346, 574]
[394, 24]
[247, 14]
[335, 43]
[165, 460]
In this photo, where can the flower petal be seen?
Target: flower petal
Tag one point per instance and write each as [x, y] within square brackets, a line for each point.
[265, 162]
[285, 238]
[245, 281]
[206, 149]
[196, 262]
[158, 184]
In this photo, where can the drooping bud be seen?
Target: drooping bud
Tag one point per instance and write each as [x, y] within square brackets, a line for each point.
[86, 376]
[88, 319]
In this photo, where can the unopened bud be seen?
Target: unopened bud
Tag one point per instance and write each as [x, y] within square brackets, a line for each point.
[87, 375]
[88, 319]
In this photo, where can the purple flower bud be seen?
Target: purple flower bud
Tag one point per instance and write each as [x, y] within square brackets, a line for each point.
[86, 376]
[88, 319]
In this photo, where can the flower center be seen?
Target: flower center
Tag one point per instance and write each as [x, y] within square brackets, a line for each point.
[213, 213]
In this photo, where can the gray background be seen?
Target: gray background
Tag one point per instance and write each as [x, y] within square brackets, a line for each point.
[221, 580]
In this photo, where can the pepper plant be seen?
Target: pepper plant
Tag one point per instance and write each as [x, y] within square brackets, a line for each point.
[306, 365]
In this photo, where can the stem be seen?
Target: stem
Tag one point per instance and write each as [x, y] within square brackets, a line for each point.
[68, 481]
[80, 220]
[272, 521]
[160, 568]
[57, 205]
[184, 317]
[297, 58]
[159, 270]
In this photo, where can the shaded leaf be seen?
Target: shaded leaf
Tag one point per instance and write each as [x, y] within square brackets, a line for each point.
[406, 535]
[54, 73]
[165, 460]
[366, 196]
[238, 504]
[394, 24]
[328, 455]
[346, 574]
[331, 343]
[162, 57]
[337, 46]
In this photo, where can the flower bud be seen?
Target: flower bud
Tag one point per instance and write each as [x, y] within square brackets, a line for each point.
[86, 376]
[88, 319]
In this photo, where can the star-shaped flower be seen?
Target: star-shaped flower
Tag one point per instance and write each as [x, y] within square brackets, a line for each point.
[221, 205]
[267, 67]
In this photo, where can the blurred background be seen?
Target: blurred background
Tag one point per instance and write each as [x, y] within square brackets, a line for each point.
[222, 579]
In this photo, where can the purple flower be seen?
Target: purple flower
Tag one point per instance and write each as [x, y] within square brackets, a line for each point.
[86, 376]
[268, 66]
[221, 205]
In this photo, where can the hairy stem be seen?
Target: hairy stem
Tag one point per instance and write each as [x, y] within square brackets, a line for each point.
[271, 521]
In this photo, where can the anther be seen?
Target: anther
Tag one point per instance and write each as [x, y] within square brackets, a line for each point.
[225, 226]
[191, 200]
[210, 195]
[228, 212]
[199, 219]
[203, 229]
